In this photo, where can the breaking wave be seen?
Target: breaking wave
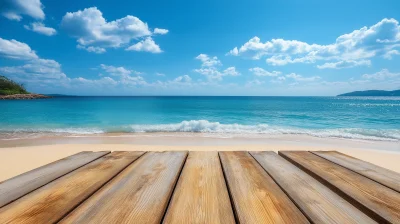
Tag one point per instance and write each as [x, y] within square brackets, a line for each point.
[204, 126]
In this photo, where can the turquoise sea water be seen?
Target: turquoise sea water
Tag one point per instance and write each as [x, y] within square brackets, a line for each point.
[345, 117]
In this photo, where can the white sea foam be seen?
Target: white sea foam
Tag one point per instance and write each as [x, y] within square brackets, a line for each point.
[204, 126]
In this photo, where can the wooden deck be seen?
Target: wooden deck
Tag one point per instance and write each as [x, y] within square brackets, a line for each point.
[203, 187]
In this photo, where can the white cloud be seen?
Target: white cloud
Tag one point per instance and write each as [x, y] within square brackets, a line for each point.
[184, 79]
[35, 69]
[160, 74]
[124, 75]
[345, 64]
[279, 60]
[97, 50]
[261, 72]
[160, 31]
[214, 74]
[381, 75]
[39, 27]
[207, 61]
[40, 72]
[389, 54]
[118, 71]
[92, 29]
[234, 52]
[209, 69]
[231, 71]
[380, 39]
[147, 45]
[14, 9]
[300, 78]
[16, 50]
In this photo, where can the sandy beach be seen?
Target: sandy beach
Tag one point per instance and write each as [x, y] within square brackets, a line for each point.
[20, 155]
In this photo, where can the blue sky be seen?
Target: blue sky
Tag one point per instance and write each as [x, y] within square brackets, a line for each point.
[200, 47]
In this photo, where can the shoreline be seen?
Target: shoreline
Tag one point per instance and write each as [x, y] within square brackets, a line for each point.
[205, 139]
[21, 155]
[27, 96]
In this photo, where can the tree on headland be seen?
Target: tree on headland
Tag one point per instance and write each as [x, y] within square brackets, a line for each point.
[9, 87]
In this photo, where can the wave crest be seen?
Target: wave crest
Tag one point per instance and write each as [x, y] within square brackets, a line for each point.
[204, 126]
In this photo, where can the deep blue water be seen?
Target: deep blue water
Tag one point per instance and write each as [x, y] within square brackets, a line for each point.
[352, 117]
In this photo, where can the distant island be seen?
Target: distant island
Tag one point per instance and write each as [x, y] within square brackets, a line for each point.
[10, 90]
[373, 93]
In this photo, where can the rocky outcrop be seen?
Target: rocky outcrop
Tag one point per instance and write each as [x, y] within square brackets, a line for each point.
[30, 96]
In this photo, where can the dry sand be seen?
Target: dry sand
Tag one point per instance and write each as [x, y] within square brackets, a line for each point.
[19, 156]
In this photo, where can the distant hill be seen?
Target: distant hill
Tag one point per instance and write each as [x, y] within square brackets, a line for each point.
[373, 93]
[9, 87]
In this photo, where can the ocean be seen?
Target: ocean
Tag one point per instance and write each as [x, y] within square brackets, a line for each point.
[368, 118]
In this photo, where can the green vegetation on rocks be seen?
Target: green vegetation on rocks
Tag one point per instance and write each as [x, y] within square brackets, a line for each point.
[9, 87]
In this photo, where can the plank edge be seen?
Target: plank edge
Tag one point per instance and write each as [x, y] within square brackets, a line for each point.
[358, 205]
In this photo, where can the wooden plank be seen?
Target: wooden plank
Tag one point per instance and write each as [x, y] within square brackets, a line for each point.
[201, 195]
[379, 202]
[53, 201]
[256, 197]
[21, 185]
[384, 176]
[140, 194]
[317, 202]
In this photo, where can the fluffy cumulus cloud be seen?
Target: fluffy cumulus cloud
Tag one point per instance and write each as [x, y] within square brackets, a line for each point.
[32, 68]
[36, 69]
[160, 31]
[16, 50]
[123, 75]
[118, 71]
[209, 68]
[97, 50]
[147, 45]
[15, 9]
[261, 72]
[349, 50]
[37, 72]
[39, 27]
[92, 29]
[207, 61]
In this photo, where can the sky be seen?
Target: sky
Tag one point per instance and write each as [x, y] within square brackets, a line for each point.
[209, 47]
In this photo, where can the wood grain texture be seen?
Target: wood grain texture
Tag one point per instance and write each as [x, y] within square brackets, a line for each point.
[21, 185]
[374, 199]
[256, 197]
[201, 195]
[53, 201]
[317, 202]
[379, 174]
[140, 194]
